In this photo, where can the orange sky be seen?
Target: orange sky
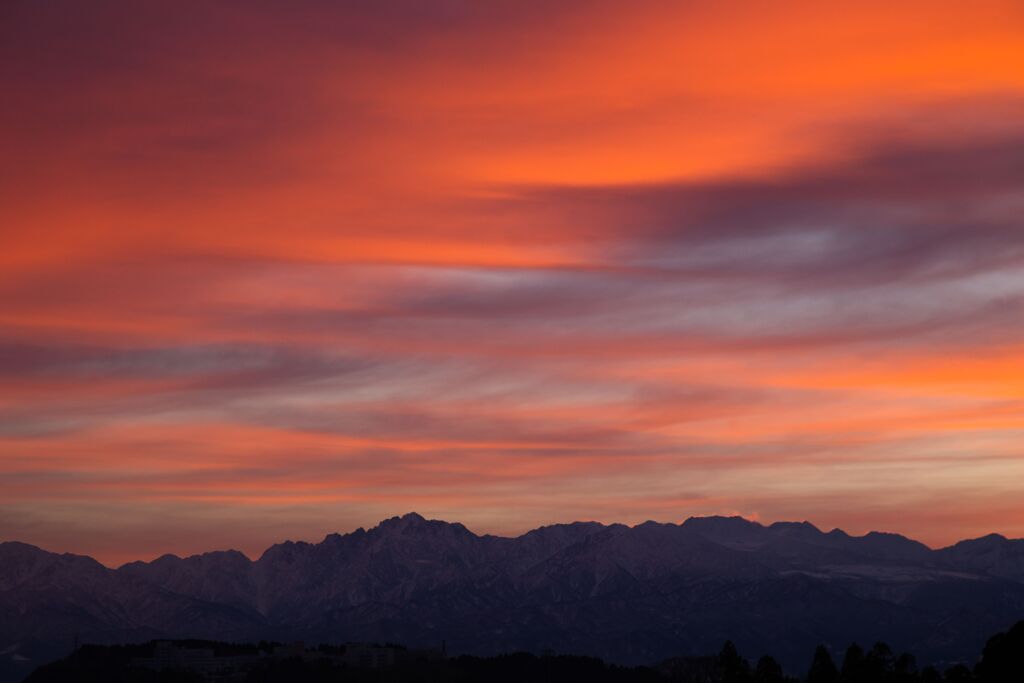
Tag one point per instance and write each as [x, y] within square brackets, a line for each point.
[271, 270]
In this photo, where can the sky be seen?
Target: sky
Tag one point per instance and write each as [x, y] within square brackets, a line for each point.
[270, 270]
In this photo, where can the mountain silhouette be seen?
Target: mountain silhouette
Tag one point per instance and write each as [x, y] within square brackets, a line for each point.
[628, 594]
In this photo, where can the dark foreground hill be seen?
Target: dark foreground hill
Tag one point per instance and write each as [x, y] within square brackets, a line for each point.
[631, 595]
[1002, 661]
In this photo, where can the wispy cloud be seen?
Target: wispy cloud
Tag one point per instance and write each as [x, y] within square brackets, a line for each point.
[508, 265]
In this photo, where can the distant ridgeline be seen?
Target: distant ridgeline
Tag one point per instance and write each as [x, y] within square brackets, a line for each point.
[629, 595]
[1002, 661]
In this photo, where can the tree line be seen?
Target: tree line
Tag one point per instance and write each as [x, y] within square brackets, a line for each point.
[1001, 661]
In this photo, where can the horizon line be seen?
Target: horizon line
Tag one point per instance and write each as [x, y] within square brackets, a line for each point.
[416, 515]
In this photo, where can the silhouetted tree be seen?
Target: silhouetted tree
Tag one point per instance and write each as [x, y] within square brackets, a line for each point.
[733, 667]
[768, 671]
[1003, 658]
[878, 663]
[958, 674]
[823, 669]
[1001, 662]
[854, 666]
[904, 670]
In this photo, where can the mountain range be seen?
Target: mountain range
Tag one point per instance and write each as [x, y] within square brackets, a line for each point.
[628, 594]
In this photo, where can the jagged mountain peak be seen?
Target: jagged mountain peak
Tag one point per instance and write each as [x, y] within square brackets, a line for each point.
[408, 519]
[17, 546]
[229, 555]
[418, 580]
[721, 518]
[165, 560]
[986, 541]
[413, 523]
[337, 538]
[891, 537]
[722, 523]
[568, 530]
[285, 549]
[17, 552]
[804, 526]
[211, 558]
[579, 524]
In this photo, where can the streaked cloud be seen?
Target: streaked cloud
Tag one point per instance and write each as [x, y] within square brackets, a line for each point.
[273, 272]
